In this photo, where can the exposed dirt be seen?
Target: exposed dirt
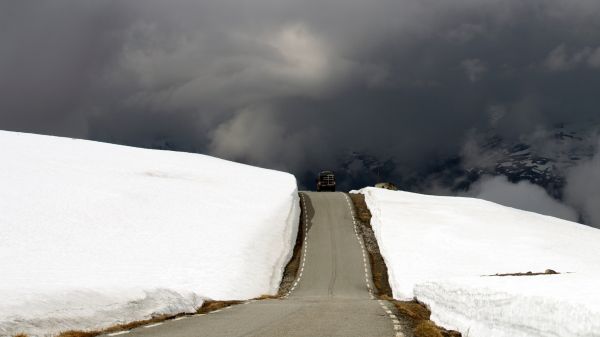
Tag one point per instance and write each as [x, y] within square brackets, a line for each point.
[291, 269]
[414, 314]
[378, 267]
[529, 273]
[209, 306]
[206, 307]
[116, 328]
[419, 315]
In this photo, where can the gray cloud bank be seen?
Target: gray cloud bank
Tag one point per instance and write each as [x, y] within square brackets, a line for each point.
[292, 84]
[522, 195]
[583, 189]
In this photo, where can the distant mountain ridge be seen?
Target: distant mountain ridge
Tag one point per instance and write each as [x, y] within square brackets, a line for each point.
[542, 158]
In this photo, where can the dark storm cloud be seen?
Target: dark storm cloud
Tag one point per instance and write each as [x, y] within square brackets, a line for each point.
[292, 84]
[49, 54]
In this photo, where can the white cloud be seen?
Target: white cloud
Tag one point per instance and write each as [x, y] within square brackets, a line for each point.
[474, 154]
[258, 136]
[522, 195]
[304, 56]
[496, 113]
[583, 189]
[465, 32]
[559, 59]
[474, 69]
[594, 59]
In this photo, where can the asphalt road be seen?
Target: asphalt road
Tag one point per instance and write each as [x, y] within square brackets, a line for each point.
[332, 296]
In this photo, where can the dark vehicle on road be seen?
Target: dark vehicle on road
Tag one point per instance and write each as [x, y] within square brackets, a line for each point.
[326, 182]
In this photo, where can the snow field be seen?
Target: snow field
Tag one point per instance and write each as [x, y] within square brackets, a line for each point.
[438, 249]
[94, 234]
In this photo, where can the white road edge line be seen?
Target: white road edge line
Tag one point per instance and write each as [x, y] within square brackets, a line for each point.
[118, 333]
[362, 246]
[393, 317]
[305, 250]
[152, 325]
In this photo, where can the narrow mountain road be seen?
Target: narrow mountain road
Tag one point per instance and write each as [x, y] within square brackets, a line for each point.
[331, 297]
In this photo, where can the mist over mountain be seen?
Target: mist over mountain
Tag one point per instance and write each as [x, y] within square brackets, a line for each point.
[547, 171]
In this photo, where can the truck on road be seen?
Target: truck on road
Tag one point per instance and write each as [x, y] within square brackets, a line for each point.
[326, 181]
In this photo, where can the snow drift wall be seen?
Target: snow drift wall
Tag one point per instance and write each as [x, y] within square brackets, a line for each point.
[93, 234]
[439, 249]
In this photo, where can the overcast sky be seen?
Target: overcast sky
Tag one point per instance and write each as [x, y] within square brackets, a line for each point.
[293, 84]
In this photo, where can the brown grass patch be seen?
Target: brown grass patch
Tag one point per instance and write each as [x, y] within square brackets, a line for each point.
[412, 309]
[206, 307]
[119, 327]
[380, 274]
[378, 268]
[268, 297]
[427, 329]
[209, 306]
[360, 206]
[79, 334]
[291, 269]
[419, 317]
[529, 273]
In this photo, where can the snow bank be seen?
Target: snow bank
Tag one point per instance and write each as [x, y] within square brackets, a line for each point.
[558, 305]
[93, 234]
[438, 248]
